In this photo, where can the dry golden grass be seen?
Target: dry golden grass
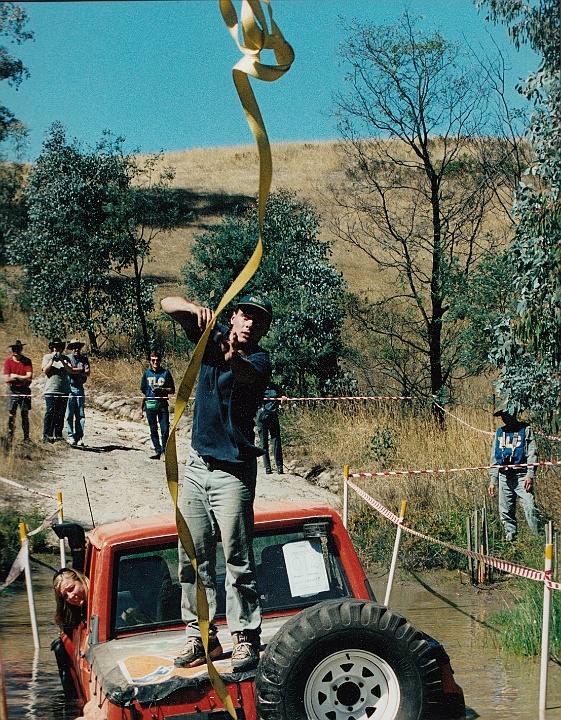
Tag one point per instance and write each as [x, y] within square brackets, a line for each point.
[231, 174]
[215, 180]
[349, 434]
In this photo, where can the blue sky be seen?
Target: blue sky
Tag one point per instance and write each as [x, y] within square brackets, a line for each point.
[159, 73]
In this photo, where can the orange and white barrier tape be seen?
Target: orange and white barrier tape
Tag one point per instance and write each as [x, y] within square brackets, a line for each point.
[346, 397]
[18, 566]
[19, 486]
[504, 565]
[429, 471]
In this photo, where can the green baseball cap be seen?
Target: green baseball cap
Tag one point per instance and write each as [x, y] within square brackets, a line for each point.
[257, 301]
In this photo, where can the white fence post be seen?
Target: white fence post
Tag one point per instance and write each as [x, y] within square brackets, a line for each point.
[395, 553]
[30, 599]
[61, 541]
[345, 495]
[545, 626]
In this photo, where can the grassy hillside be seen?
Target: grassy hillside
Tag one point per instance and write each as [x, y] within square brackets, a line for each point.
[325, 438]
[218, 179]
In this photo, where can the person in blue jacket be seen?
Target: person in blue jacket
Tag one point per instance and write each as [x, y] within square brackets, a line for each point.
[156, 386]
[268, 425]
[218, 489]
[514, 445]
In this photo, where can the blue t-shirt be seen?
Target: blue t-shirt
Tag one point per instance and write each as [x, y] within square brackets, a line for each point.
[78, 381]
[152, 383]
[225, 409]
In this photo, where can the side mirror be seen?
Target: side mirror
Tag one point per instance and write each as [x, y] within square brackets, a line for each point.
[76, 537]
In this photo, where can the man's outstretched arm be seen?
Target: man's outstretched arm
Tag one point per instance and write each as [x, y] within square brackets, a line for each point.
[192, 317]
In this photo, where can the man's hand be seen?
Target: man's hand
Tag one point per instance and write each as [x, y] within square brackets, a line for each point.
[240, 366]
[492, 490]
[528, 484]
[203, 315]
[229, 345]
[193, 318]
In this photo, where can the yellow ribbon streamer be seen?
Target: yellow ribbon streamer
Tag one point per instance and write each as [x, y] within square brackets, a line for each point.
[256, 37]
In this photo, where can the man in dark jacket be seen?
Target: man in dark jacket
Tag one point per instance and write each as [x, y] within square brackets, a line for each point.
[218, 489]
[268, 425]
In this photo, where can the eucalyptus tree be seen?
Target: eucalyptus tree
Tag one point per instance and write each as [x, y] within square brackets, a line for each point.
[13, 21]
[528, 340]
[307, 292]
[92, 215]
[427, 162]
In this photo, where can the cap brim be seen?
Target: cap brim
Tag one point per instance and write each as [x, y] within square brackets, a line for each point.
[256, 307]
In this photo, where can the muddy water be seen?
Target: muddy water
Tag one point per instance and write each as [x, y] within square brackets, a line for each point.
[496, 687]
[32, 680]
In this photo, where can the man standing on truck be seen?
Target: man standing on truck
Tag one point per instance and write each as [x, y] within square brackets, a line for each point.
[218, 489]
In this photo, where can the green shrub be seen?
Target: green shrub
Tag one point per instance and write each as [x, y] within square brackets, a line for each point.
[383, 445]
[374, 538]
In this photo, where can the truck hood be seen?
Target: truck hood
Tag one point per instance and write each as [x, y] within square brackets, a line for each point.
[140, 667]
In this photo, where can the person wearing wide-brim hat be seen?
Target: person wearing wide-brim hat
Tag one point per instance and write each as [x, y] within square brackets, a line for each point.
[55, 366]
[18, 372]
[78, 373]
[513, 458]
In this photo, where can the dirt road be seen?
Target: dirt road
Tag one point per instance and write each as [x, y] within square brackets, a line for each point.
[122, 482]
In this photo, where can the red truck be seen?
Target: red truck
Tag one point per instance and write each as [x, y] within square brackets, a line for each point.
[330, 651]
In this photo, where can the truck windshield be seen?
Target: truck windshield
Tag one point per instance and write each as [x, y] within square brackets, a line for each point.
[293, 571]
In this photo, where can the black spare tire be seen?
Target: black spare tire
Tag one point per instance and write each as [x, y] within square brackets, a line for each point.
[347, 660]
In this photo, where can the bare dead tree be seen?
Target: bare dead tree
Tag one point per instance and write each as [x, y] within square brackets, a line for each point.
[432, 157]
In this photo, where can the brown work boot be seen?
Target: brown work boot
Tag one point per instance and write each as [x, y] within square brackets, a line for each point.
[193, 652]
[245, 655]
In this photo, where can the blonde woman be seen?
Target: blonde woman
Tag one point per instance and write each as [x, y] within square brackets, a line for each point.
[71, 593]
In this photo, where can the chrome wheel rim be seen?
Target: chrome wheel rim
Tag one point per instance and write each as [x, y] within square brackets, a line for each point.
[352, 685]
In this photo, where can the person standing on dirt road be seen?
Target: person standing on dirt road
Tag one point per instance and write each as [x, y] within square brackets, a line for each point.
[218, 489]
[55, 365]
[18, 372]
[76, 406]
[156, 385]
[514, 444]
[268, 425]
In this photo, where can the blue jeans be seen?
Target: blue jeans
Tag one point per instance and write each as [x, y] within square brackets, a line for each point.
[161, 415]
[76, 414]
[212, 498]
[511, 485]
